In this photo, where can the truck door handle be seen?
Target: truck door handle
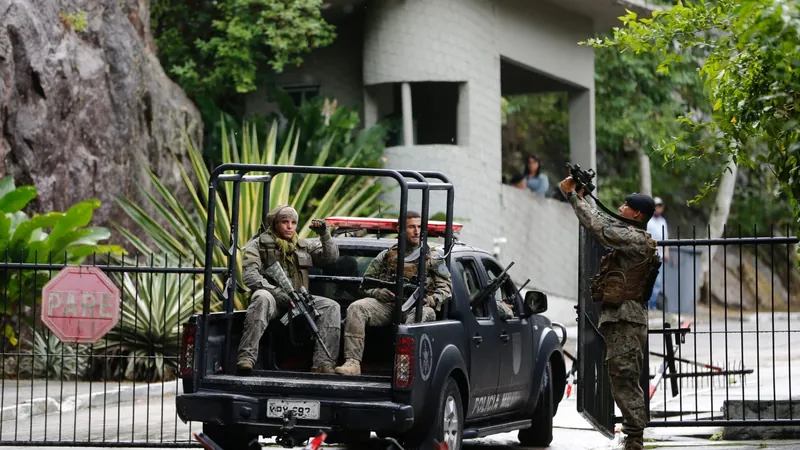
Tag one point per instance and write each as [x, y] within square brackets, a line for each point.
[477, 339]
[504, 337]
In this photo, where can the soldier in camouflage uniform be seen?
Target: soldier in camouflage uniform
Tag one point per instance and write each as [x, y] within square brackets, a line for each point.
[268, 301]
[378, 306]
[626, 274]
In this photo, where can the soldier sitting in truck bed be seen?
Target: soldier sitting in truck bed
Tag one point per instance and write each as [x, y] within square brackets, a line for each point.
[280, 243]
[376, 309]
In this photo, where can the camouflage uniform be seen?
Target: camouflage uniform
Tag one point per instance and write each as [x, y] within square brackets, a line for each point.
[270, 302]
[623, 316]
[377, 308]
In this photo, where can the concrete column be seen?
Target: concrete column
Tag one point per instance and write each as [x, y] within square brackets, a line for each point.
[582, 148]
[408, 117]
[370, 109]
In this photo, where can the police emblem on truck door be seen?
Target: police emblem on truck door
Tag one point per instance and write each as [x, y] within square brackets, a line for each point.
[425, 357]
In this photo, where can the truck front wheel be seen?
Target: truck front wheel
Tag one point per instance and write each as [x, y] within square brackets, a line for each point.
[540, 434]
[231, 437]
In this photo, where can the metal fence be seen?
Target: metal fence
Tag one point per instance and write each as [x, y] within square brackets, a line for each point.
[723, 340]
[118, 391]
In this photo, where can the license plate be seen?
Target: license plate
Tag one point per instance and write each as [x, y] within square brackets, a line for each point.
[303, 409]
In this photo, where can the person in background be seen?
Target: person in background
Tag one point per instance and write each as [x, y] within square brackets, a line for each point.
[657, 227]
[535, 180]
[518, 182]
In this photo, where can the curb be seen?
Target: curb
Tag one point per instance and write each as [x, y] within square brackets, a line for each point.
[45, 405]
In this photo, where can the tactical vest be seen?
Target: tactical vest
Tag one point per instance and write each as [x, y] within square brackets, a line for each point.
[409, 269]
[619, 279]
[302, 259]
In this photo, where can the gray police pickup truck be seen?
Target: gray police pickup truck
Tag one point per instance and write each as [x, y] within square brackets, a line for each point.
[468, 374]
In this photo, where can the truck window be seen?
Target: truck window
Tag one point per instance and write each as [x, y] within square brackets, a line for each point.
[469, 274]
[507, 291]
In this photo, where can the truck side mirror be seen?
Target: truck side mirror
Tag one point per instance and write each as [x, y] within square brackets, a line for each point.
[535, 303]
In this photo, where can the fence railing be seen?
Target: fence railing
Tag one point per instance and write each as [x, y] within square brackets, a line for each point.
[118, 391]
[725, 334]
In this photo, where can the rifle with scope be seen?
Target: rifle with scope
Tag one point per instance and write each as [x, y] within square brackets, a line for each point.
[300, 303]
[583, 180]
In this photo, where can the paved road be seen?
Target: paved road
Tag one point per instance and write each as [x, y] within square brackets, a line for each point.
[137, 423]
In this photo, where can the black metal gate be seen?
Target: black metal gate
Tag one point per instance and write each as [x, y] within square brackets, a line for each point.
[117, 392]
[723, 343]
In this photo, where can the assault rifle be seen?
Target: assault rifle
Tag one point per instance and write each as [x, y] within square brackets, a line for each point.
[583, 180]
[411, 288]
[299, 302]
[492, 286]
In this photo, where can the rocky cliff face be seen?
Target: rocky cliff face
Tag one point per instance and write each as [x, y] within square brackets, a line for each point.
[82, 96]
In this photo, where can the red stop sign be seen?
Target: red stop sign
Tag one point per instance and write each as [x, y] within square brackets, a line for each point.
[80, 305]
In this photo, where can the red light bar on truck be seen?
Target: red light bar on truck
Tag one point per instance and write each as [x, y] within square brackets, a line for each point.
[436, 228]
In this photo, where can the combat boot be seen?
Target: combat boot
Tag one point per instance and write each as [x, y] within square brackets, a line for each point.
[244, 367]
[634, 443]
[322, 369]
[350, 367]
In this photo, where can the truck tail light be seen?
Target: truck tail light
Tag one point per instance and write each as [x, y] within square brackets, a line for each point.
[186, 363]
[404, 362]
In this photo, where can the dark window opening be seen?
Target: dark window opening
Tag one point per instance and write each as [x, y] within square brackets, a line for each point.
[435, 111]
[299, 93]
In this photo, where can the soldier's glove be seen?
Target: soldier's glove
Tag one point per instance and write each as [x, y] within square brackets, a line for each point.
[383, 295]
[282, 298]
[319, 226]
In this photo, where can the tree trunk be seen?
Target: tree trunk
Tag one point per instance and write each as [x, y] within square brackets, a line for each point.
[82, 98]
[645, 182]
[719, 216]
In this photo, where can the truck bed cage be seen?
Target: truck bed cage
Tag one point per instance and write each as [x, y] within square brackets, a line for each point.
[264, 173]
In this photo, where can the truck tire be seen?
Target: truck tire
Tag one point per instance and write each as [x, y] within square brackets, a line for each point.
[448, 425]
[231, 437]
[540, 434]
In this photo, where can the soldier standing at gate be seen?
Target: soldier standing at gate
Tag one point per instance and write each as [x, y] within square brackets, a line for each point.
[378, 306]
[280, 243]
[623, 287]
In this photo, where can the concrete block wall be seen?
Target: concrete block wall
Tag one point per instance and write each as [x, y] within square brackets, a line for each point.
[462, 41]
[445, 40]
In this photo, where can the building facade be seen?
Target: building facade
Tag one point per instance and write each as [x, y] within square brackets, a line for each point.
[440, 67]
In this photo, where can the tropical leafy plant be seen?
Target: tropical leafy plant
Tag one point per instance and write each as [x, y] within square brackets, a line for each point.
[749, 48]
[184, 232]
[50, 358]
[145, 343]
[53, 238]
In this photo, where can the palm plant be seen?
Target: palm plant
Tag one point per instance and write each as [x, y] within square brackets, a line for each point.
[145, 343]
[184, 231]
[50, 358]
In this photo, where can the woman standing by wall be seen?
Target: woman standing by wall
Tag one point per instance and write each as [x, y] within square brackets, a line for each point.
[535, 180]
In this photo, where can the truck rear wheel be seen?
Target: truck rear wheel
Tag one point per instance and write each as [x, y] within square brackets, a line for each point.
[231, 437]
[449, 421]
[540, 434]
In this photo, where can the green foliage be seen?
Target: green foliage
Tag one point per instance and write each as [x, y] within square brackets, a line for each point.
[220, 46]
[184, 232]
[321, 122]
[537, 124]
[52, 238]
[144, 345]
[52, 359]
[749, 49]
[74, 21]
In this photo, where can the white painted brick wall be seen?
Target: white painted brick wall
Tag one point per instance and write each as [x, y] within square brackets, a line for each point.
[457, 40]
